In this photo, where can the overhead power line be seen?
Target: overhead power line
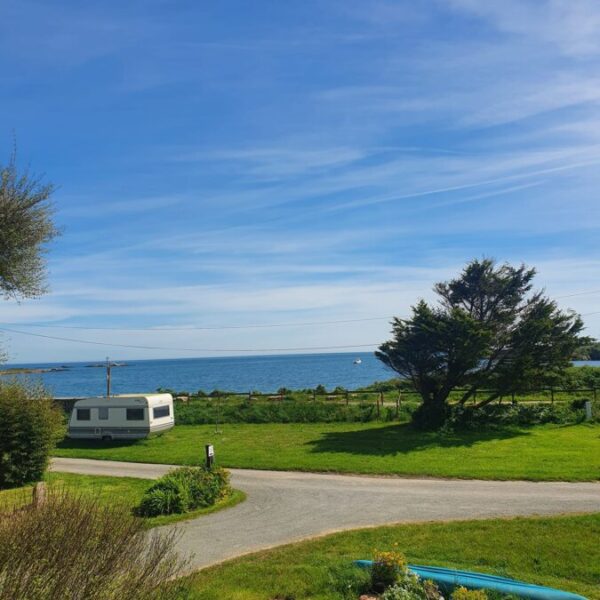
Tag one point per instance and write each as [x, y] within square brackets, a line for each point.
[194, 328]
[159, 329]
[578, 294]
[140, 347]
[173, 349]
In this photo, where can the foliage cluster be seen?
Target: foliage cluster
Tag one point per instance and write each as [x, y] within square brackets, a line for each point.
[494, 416]
[30, 426]
[199, 412]
[390, 575]
[409, 586]
[73, 547]
[585, 377]
[26, 227]
[386, 569]
[488, 331]
[185, 489]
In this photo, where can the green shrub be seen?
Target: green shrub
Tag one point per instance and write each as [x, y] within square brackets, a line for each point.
[165, 497]
[183, 490]
[386, 569]
[498, 415]
[461, 593]
[409, 586]
[30, 426]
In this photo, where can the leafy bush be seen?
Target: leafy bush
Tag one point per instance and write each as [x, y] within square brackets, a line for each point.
[72, 547]
[183, 490]
[166, 497]
[461, 593]
[386, 569]
[580, 377]
[410, 587]
[468, 417]
[389, 385]
[30, 425]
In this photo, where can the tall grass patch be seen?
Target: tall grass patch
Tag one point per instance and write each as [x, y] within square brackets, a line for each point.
[71, 546]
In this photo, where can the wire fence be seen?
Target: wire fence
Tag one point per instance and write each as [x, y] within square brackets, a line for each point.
[395, 398]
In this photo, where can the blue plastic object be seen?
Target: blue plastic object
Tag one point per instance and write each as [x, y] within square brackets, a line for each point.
[451, 578]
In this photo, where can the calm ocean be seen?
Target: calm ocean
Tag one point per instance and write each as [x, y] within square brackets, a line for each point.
[258, 373]
[235, 374]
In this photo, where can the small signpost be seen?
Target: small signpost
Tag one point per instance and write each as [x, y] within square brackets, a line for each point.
[588, 411]
[210, 455]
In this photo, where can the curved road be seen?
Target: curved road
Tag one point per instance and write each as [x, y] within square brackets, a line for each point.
[284, 506]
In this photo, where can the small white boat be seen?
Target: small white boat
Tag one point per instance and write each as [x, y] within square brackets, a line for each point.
[357, 361]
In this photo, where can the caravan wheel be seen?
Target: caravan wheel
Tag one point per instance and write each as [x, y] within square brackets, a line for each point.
[107, 438]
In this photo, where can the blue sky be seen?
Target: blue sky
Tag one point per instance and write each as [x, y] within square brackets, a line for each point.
[235, 163]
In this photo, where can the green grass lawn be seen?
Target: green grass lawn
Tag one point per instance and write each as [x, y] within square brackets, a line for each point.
[545, 452]
[125, 491]
[561, 552]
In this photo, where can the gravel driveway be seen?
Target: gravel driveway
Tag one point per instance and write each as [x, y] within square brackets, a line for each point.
[284, 506]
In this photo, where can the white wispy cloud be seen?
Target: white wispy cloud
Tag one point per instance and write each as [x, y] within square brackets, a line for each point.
[571, 25]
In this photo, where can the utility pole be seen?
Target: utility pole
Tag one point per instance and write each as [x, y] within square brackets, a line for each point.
[107, 378]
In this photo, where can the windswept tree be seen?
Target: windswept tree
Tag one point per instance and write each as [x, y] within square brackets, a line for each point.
[489, 335]
[26, 227]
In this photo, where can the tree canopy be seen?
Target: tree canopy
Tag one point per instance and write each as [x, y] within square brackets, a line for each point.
[489, 335]
[26, 227]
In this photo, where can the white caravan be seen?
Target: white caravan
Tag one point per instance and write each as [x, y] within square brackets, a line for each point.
[121, 417]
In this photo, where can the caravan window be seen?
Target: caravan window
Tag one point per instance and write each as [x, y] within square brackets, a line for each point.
[103, 413]
[135, 414]
[83, 414]
[162, 411]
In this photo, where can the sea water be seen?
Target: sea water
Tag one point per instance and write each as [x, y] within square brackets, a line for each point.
[234, 374]
[237, 374]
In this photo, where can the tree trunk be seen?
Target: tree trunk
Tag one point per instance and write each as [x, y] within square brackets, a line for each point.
[431, 414]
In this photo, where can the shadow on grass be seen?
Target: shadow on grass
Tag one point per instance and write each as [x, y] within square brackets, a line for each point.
[402, 439]
[69, 444]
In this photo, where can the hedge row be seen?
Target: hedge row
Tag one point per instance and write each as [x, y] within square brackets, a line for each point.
[198, 412]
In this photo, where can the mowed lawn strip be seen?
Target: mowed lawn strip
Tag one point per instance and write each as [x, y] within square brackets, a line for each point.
[561, 552]
[545, 452]
[124, 491]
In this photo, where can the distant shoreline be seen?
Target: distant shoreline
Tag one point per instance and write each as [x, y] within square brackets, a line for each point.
[26, 370]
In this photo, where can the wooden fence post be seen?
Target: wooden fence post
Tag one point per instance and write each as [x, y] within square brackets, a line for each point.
[314, 396]
[347, 397]
[398, 401]
[552, 395]
[39, 494]
[379, 402]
